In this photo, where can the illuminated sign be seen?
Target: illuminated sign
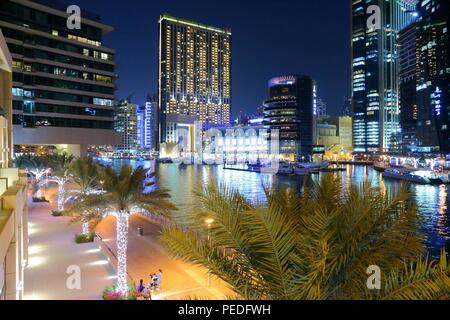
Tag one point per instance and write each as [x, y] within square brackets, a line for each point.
[287, 80]
[436, 101]
[319, 149]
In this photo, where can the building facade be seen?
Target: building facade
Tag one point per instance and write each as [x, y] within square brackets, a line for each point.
[407, 88]
[375, 71]
[13, 195]
[147, 125]
[194, 72]
[63, 80]
[433, 77]
[126, 125]
[292, 109]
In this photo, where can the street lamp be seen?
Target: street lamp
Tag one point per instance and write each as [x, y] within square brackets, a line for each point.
[209, 222]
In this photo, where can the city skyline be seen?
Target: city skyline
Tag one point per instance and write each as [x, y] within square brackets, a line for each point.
[254, 61]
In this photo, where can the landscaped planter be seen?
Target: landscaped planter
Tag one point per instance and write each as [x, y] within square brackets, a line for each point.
[84, 238]
[57, 213]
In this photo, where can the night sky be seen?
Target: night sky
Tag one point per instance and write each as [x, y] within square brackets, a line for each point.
[270, 38]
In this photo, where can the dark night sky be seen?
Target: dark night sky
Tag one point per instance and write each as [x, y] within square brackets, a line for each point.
[270, 38]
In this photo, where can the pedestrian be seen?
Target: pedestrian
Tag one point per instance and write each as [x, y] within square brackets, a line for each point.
[140, 286]
[159, 279]
[153, 279]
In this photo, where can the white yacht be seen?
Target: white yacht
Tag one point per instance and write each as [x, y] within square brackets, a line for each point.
[407, 175]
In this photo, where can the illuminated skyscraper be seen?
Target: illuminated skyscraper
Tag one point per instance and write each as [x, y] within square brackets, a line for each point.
[126, 125]
[375, 71]
[194, 72]
[292, 109]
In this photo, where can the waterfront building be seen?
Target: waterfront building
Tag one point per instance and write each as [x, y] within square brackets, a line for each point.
[237, 145]
[335, 136]
[407, 88]
[13, 195]
[376, 124]
[433, 77]
[292, 110]
[126, 126]
[194, 72]
[63, 80]
[181, 133]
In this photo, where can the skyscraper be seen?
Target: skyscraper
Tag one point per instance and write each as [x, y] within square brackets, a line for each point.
[63, 80]
[126, 127]
[194, 72]
[433, 76]
[146, 122]
[407, 88]
[375, 71]
[292, 109]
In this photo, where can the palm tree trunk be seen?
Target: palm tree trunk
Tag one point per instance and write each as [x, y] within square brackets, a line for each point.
[85, 225]
[61, 192]
[122, 243]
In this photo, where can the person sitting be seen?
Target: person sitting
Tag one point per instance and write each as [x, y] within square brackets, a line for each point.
[140, 287]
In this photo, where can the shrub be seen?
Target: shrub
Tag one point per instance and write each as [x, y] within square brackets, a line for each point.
[110, 293]
[84, 238]
[57, 213]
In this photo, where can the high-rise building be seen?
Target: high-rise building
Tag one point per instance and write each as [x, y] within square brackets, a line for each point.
[375, 71]
[433, 76]
[146, 122]
[407, 88]
[194, 72]
[63, 79]
[292, 109]
[126, 125]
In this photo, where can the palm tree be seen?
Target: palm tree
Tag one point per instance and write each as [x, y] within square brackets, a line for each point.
[59, 165]
[125, 193]
[83, 171]
[315, 245]
[37, 165]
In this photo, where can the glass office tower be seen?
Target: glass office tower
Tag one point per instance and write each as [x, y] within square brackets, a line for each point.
[375, 91]
[433, 76]
[194, 72]
[292, 109]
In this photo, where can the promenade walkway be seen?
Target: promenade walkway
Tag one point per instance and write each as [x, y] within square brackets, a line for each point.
[52, 250]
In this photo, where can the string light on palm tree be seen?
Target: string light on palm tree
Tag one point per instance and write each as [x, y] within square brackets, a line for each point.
[209, 223]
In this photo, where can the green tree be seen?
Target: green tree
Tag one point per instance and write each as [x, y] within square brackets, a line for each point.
[83, 171]
[313, 245]
[125, 193]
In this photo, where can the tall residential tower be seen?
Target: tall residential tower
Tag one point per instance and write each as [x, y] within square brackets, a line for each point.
[194, 72]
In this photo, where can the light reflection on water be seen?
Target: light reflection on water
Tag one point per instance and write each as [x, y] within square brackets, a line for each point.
[433, 202]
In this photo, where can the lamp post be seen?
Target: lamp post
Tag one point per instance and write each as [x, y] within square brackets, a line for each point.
[209, 222]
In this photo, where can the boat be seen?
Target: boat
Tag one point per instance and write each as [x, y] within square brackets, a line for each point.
[164, 160]
[420, 177]
[437, 179]
[380, 166]
[285, 168]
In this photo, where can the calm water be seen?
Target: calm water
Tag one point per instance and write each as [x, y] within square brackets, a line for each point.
[433, 202]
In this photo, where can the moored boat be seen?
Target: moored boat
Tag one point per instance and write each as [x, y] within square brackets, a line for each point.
[403, 174]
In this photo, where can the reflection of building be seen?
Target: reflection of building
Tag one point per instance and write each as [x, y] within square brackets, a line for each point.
[433, 76]
[126, 127]
[291, 109]
[13, 196]
[63, 90]
[195, 72]
[407, 79]
[146, 122]
[375, 70]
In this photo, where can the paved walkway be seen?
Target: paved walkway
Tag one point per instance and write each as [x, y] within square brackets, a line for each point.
[52, 250]
[146, 255]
